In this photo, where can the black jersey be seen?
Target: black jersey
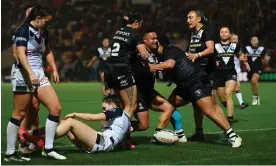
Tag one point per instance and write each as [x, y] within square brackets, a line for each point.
[255, 55]
[224, 54]
[184, 69]
[123, 47]
[142, 75]
[197, 44]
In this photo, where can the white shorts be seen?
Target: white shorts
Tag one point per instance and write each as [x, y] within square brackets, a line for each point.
[21, 82]
[104, 143]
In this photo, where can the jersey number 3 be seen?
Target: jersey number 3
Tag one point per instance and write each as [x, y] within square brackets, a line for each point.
[115, 49]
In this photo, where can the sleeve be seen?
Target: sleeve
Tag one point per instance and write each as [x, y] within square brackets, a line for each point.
[171, 53]
[208, 35]
[115, 112]
[21, 36]
[263, 52]
[137, 39]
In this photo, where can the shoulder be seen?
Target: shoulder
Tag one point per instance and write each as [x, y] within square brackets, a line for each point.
[22, 28]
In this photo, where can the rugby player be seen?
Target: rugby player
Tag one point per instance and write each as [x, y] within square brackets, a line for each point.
[192, 85]
[148, 97]
[103, 53]
[119, 75]
[116, 123]
[235, 39]
[28, 79]
[201, 52]
[225, 74]
[256, 54]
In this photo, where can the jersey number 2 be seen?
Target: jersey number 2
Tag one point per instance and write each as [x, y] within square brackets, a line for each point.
[115, 49]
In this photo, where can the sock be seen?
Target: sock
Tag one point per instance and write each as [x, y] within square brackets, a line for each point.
[230, 117]
[176, 120]
[224, 104]
[239, 97]
[199, 131]
[50, 128]
[180, 133]
[255, 96]
[230, 133]
[12, 132]
[158, 129]
[31, 132]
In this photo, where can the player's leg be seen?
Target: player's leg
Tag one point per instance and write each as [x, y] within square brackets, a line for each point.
[102, 82]
[78, 132]
[254, 83]
[47, 95]
[239, 95]
[221, 95]
[176, 119]
[229, 88]
[206, 105]
[142, 116]
[128, 97]
[21, 106]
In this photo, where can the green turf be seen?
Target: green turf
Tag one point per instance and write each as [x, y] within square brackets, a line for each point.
[259, 145]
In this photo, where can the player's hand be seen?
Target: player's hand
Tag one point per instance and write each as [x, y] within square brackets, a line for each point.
[191, 56]
[34, 79]
[72, 115]
[56, 77]
[247, 67]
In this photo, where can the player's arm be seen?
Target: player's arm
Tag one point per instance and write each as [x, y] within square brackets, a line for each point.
[51, 61]
[242, 57]
[87, 116]
[92, 61]
[143, 52]
[167, 65]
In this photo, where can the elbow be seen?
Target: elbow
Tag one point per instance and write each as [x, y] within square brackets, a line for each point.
[211, 51]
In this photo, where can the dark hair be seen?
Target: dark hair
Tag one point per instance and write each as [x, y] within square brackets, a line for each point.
[112, 98]
[131, 17]
[37, 11]
[149, 30]
[163, 40]
[204, 19]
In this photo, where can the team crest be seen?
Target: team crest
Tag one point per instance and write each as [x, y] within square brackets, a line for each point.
[198, 92]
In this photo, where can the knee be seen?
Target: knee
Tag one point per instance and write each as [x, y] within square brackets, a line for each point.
[55, 110]
[228, 93]
[143, 126]
[19, 114]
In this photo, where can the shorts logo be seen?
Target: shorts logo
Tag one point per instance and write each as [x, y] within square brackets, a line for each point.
[141, 106]
[259, 71]
[234, 76]
[198, 92]
[123, 83]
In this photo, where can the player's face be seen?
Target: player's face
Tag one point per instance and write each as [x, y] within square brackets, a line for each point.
[43, 22]
[106, 106]
[192, 19]
[151, 41]
[254, 41]
[234, 39]
[105, 43]
[224, 33]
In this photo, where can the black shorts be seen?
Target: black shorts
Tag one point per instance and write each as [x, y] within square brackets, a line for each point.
[102, 66]
[195, 91]
[212, 79]
[223, 76]
[145, 98]
[254, 69]
[118, 77]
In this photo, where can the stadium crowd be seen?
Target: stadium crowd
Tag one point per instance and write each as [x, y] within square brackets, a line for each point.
[76, 35]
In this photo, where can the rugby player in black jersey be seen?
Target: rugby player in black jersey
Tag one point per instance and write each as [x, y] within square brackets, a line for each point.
[148, 97]
[119, 75]
[225, 74]
[200, 51]
[192, 85]
[256, 54]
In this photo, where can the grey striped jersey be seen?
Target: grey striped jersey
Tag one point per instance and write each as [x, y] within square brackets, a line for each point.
[35, 42]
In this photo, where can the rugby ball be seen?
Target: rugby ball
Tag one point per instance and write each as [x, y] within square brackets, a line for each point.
[165, 137]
